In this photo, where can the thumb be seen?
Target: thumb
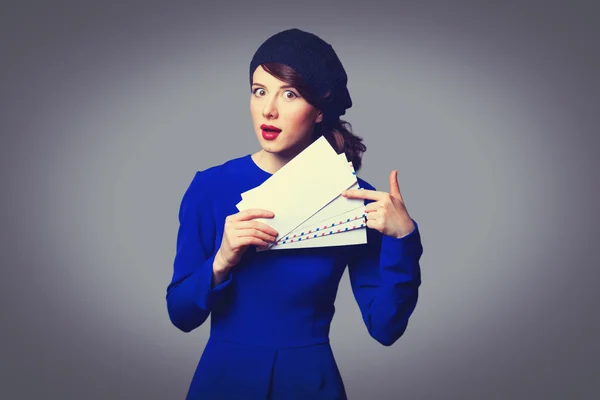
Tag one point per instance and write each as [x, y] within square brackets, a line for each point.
[394, 187]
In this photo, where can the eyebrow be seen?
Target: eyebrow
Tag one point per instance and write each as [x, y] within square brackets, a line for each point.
[280, 87]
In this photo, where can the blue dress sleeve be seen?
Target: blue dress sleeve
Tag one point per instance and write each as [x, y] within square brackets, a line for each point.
[191, 294]
[385, 277]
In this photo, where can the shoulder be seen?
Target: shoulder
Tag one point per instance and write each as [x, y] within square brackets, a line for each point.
[198, 196]
[204, 182]
[216, 174]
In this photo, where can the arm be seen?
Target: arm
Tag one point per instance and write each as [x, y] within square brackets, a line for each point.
[385, 276]
[192, 290]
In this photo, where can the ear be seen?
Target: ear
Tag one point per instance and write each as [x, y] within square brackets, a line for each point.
[319, 117]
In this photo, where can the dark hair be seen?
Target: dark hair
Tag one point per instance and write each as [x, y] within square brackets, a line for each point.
[337, 132]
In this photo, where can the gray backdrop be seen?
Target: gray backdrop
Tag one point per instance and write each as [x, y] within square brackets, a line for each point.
[489, 111]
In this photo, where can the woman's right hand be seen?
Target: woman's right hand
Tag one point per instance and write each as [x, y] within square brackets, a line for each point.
[240, 232]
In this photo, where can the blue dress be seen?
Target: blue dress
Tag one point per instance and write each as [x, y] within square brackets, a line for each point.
[270, 319]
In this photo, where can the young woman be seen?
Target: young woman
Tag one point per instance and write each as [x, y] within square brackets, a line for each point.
[271, 311]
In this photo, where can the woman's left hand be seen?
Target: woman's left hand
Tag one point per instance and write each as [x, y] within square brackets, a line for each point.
[387, 213]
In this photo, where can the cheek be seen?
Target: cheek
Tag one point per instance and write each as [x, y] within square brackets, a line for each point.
[299, 116]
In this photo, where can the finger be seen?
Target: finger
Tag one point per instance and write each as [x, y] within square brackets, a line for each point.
[373, 224]
[394, 187]
[255, 233]
[250, 240]
[374, 206]
[363, 194]
[256, 225]
[252, 213]
[372, 215]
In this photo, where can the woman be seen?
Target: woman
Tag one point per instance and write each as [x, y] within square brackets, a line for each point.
[271, 311]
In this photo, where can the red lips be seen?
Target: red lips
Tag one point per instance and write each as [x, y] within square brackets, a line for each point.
[270, 128]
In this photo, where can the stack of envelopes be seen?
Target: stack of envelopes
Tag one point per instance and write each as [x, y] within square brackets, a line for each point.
[305, 196]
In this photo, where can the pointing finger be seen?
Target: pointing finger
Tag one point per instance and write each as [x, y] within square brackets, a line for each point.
[363, 194]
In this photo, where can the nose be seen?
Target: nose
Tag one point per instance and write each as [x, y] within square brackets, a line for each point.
[270, 111]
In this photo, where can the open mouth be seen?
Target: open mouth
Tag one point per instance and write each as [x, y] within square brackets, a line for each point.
[270, 129]
[269, 132]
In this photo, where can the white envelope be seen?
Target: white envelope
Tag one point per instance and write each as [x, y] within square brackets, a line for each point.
[336, 207]
[254, 191]
[319, 151]
[348, 228]
[356, 236]
[352, 216]
[302, 187]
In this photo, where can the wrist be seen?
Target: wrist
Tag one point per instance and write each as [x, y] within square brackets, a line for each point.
[410, 228]
[219, 272]
[220, 267]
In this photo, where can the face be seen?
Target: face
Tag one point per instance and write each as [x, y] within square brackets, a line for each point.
[274, 103]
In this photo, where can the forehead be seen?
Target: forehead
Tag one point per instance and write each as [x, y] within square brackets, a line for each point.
[263, 77]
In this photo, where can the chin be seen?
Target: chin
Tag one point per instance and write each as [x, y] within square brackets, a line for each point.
[273, 148]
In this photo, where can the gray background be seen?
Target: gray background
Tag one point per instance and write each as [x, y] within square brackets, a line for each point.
[489, 111]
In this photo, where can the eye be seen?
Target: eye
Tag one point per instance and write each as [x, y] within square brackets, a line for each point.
[294, 94]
